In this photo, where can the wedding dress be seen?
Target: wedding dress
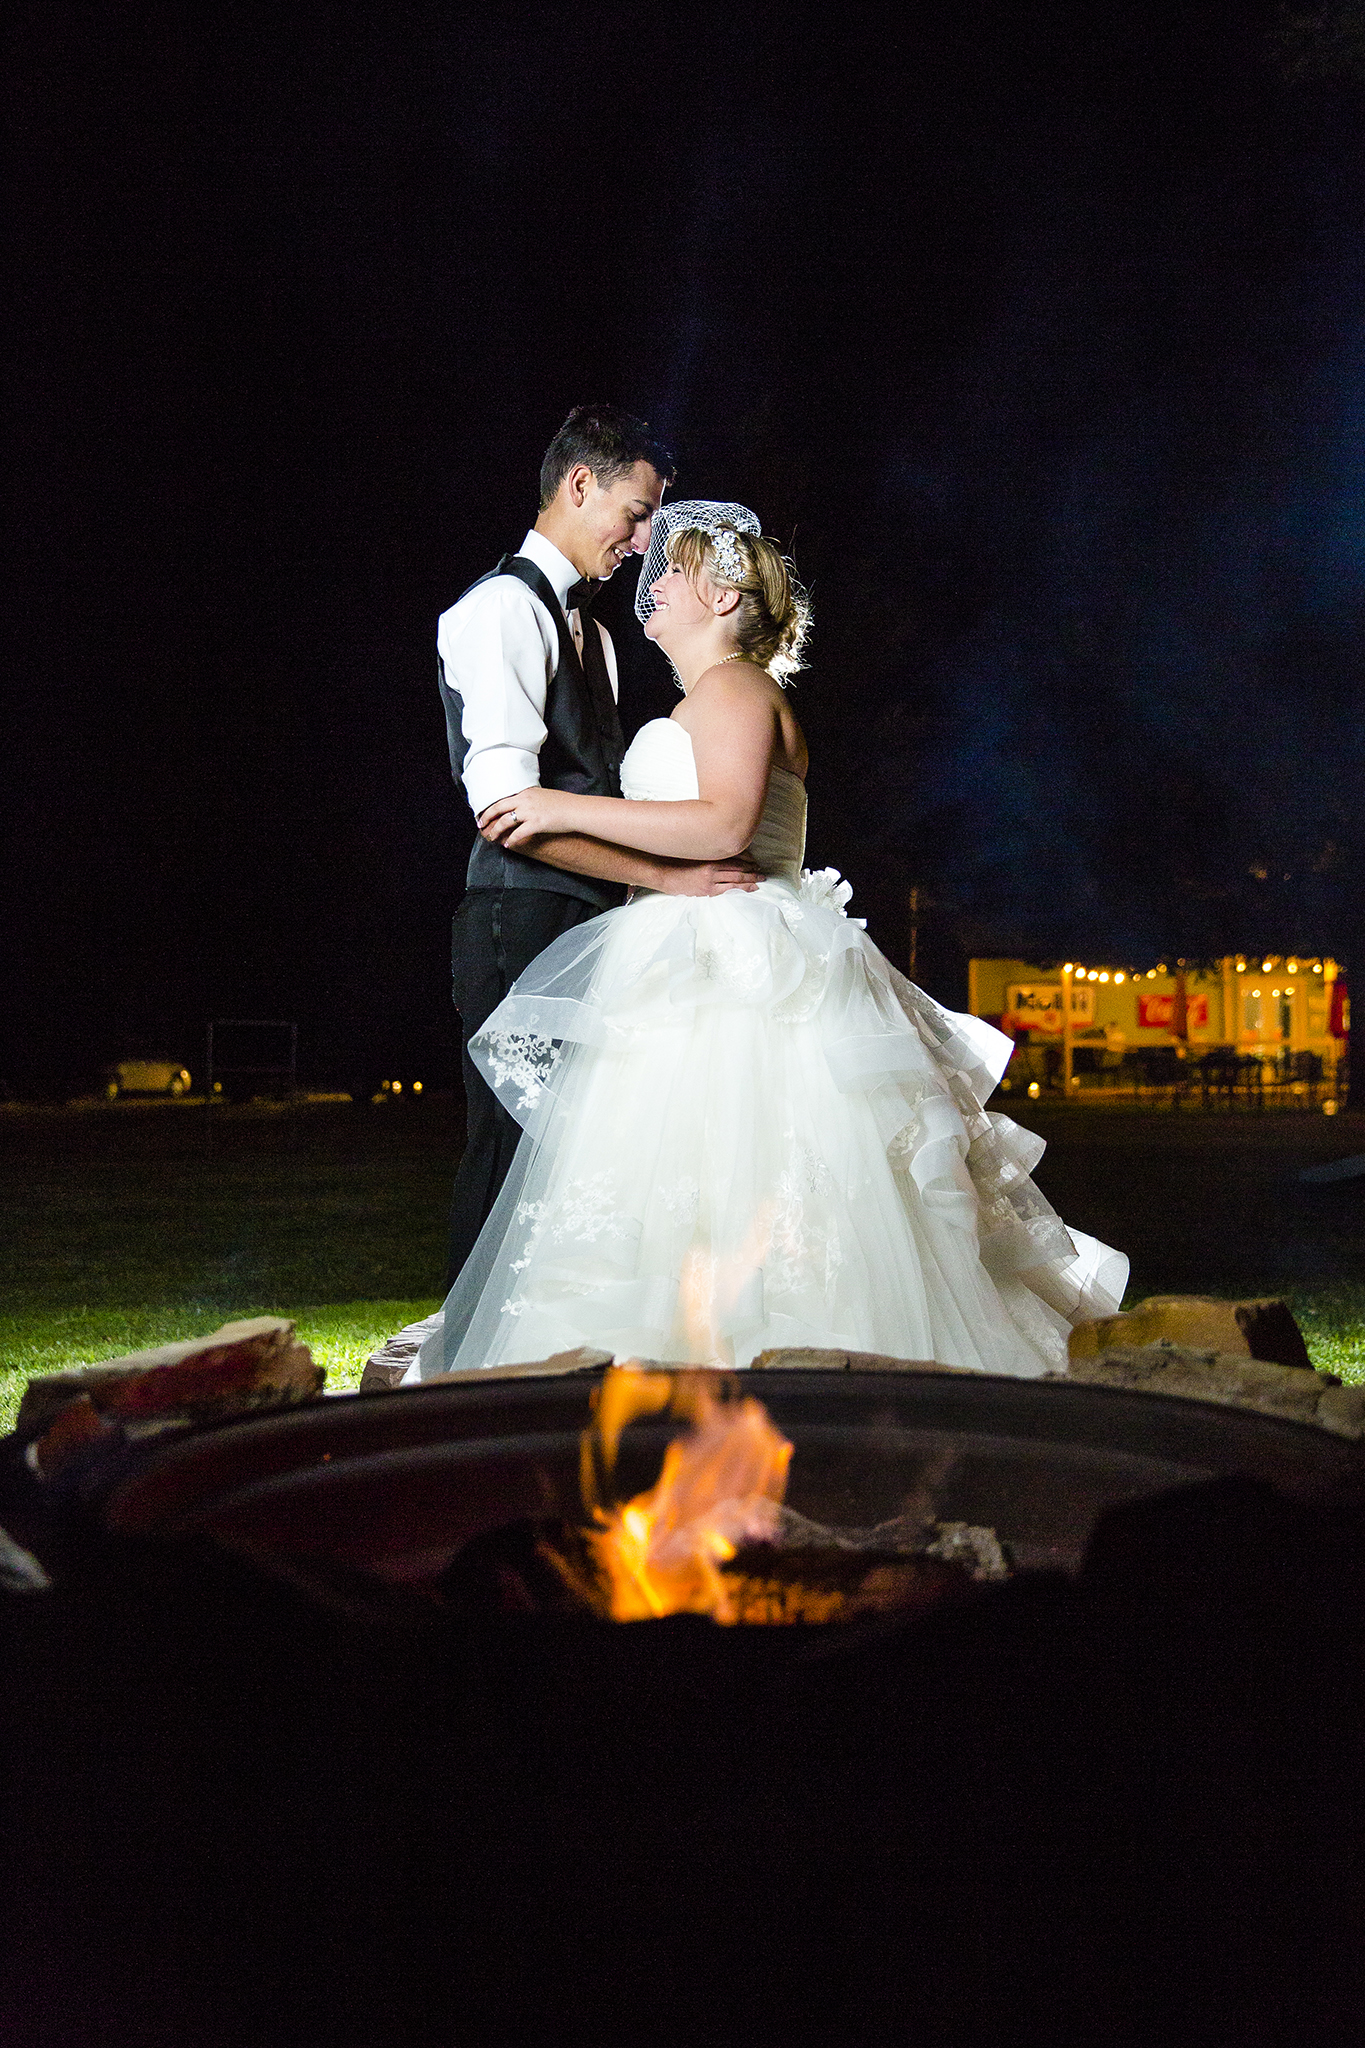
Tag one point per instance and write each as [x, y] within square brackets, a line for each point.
[745, 1129]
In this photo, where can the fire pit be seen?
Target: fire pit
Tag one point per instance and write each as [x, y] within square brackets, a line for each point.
[282, 1756]
[368, 1502]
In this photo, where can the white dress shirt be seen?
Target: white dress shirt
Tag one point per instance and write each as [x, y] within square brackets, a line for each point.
[500, 648]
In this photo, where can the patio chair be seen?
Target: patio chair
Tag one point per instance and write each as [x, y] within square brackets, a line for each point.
[1163, 1069]
[1217, 1079]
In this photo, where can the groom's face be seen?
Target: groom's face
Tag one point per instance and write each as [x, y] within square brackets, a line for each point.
[616, 518]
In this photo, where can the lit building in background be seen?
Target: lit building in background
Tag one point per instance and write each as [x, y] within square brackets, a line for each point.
[1266, 1006]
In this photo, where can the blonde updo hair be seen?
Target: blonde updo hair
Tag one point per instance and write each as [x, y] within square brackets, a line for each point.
[772, 618]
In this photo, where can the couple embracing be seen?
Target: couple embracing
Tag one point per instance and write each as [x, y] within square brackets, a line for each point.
[712, 1119]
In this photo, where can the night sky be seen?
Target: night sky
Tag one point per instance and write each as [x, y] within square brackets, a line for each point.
[1037, 332]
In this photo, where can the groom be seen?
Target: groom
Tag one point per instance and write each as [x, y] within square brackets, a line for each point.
[528, 679]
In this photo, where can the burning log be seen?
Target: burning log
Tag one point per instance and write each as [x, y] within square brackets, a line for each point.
[713, 1535]
[767, 1584]
[551, 1567]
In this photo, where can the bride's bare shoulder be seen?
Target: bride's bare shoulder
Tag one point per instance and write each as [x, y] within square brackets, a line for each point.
[743, 691]
[727, 687]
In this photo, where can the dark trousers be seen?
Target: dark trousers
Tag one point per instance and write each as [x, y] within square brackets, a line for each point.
[494, 937]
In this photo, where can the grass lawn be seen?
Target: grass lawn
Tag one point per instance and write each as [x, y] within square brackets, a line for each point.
[134, 1225]
[125, 1226]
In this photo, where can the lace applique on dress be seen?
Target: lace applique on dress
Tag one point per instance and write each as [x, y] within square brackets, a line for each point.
[681, 1199]
[587, 1213]
[1018, 1226]
[588, 1210]
[803, 1251]
[906, 1142]
[739, 969]
[521, 1060]
[533, 1213]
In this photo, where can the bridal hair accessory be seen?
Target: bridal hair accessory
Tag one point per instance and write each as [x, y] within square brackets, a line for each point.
[719, 521]
[725, 548]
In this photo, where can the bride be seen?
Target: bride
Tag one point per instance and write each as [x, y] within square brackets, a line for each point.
[743, 1128]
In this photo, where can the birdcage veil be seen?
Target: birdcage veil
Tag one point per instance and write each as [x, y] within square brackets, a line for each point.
[704, 515]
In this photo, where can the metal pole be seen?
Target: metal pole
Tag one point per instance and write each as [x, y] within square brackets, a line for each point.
[1333, 1047]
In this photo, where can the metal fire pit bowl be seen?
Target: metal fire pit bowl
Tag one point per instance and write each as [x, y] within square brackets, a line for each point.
[382, 1491]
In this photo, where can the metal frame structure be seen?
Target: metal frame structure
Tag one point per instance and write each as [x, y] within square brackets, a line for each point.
[291, 1069]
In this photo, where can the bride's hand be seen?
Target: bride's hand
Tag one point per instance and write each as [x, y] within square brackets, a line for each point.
[513, 820]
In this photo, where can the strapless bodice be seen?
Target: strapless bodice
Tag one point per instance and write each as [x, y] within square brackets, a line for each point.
[659, 768]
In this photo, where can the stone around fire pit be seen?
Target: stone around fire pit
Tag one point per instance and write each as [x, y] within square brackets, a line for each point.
[386, 1368]
[384, 1371]
[242, 1367]
[797, 1360]
[1262, 1328]
[584, 1359]
[1291, 1392]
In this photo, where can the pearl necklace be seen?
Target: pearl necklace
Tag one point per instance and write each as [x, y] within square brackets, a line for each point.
[738, 655]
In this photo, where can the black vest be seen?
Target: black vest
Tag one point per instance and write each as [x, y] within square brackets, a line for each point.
[582, 751]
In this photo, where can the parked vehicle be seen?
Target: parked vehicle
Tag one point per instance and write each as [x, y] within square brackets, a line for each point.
[146, 1077]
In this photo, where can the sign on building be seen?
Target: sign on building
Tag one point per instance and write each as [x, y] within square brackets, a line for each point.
[1157, 1013]
[1037, 1006]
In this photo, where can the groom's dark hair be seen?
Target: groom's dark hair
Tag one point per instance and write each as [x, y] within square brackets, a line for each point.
[609, 441]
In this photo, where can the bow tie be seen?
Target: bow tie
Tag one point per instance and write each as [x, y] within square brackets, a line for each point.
[580, 597]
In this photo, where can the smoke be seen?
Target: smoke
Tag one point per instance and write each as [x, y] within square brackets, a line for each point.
[1146, 740]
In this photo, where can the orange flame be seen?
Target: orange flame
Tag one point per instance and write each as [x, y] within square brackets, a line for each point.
[712, 1287]
[721, 1486]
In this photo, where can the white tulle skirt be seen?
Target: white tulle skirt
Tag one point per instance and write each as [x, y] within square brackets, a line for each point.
[744, 1129]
